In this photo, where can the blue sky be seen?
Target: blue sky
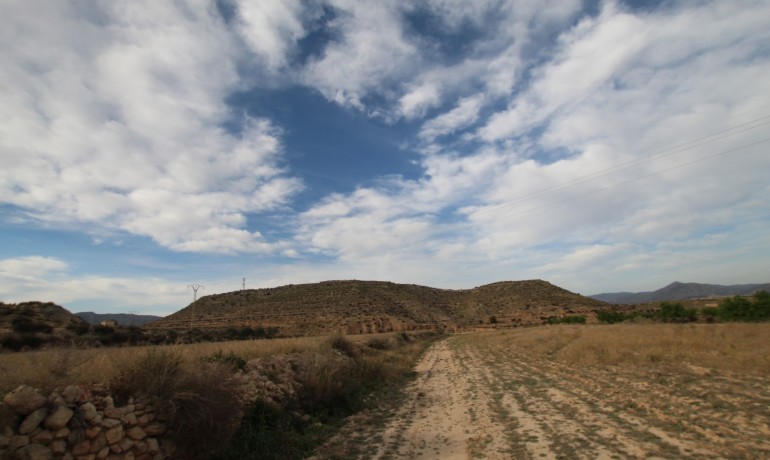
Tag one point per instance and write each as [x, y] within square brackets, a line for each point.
[600, 145]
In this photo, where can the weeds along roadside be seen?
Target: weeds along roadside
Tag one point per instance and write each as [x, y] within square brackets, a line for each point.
[349, 377]
[273, 399]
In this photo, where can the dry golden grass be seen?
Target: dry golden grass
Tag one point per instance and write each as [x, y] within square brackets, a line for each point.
[731, 347]
[55, 367]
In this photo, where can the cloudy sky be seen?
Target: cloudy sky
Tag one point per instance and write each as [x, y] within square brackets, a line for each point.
[599, 145]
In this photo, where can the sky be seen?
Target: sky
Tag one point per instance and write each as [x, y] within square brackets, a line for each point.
[599, 145]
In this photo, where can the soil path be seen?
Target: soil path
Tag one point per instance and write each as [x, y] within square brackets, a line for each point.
[476, 399]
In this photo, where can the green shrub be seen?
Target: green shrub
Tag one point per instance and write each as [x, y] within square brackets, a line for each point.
[675, 312]
[612, 317]
[742, 309]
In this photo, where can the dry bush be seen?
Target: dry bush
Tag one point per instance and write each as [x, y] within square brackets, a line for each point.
[200, 404]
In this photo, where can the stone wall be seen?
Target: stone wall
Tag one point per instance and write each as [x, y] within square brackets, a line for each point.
[85, 422]
[79, 423]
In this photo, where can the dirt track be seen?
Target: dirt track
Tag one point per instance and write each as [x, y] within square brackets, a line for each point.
[477, 399]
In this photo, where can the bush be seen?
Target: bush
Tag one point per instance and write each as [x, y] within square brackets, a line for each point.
[25, 325]
[612, 317]
[379, 343]
[742, 309]
[200, 405]
[675, 312]
[570, 319]
[231, 360]
[344, 346]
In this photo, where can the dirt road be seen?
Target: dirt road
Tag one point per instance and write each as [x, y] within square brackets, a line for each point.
[477, 399]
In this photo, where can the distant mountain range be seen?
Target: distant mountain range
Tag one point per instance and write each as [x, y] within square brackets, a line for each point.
[123, 319]
[680, 291]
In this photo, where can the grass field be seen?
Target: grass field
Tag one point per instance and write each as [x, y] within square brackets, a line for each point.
[730, 347]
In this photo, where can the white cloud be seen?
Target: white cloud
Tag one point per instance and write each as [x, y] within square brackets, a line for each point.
[114, 120]
[465, 114]
[370, 50]
[415, 103]
[271, 29]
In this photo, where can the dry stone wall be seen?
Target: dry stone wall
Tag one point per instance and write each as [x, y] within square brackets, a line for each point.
[79, 423]
[83, 422]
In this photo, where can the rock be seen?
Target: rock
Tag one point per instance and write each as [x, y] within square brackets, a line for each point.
[44, 437]
[58, 447]
[36, 452]
[8, 420]
[152, 445]
[88, 411]
[59, 418]
[112, 412]
[110, 422]
[4, 441]
[136, 433]
[130, 418]
[62, 433]
[32, 421]
[114, 434]
[17, 442]
[93, 432]
[126, 444]
[24, 400]
[104, 453]
[155, 429]
[144, 419]
[82, 448]
[56, 399]
[107, 401]
[98, 444]
[71, 394]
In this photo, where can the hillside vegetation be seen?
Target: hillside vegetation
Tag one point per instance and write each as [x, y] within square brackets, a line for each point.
[356, 307]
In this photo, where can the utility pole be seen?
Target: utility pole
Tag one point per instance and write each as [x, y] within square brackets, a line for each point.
[195, 288]
[244, 284]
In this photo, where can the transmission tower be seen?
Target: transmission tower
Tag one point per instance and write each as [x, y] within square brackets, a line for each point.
[195, 288]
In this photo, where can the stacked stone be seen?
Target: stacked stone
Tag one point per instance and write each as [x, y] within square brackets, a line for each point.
[75, 425]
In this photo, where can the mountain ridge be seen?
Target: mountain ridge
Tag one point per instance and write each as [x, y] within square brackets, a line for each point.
[680, 291]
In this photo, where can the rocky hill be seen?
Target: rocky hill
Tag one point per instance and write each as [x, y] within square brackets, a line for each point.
[353, 307]
[681, 291]
[36, 315]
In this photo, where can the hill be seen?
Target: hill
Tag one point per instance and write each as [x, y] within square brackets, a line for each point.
[681, 291]
[36, 314]
[123, 319]
[353, 307]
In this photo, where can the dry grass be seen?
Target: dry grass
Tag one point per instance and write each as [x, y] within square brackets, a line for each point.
[732, 347]
[61, 366]
[50, 368]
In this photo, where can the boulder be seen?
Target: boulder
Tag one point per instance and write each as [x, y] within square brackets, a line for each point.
[36, 452]
[33, 421]
[59, 418]
[24, 400]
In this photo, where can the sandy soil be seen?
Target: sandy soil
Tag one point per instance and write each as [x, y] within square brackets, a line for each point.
[476, 399]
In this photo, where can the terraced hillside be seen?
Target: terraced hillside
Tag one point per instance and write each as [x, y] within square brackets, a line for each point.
[354, 307]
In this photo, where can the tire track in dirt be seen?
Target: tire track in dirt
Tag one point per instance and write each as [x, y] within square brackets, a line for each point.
[446, 414]
[479, 398]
